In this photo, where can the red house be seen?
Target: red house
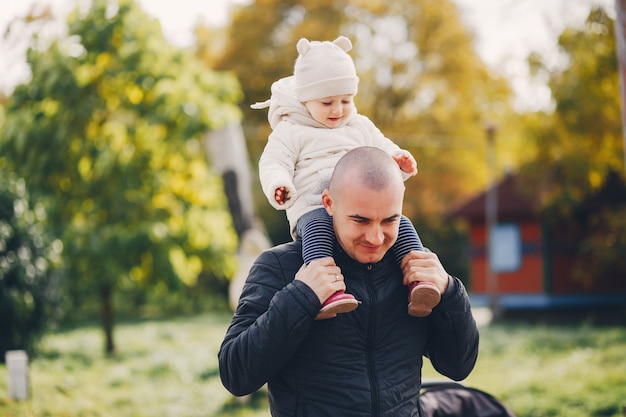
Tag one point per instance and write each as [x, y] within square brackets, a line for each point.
[533, 264]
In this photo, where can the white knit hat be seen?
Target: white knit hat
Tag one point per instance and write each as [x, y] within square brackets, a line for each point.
[324, 69]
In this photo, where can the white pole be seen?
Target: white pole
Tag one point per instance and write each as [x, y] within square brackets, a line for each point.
[491, 220]
[620, 46]
[17, 367]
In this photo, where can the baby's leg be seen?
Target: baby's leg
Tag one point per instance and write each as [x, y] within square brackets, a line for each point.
[315, 228]
[318, 236]
[423, 296]
[408, 239]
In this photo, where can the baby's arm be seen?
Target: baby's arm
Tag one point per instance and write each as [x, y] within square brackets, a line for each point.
[406, 162]
[276, 169]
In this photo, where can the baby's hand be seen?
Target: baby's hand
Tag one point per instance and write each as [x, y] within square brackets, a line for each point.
[281, 195]
[406, 162]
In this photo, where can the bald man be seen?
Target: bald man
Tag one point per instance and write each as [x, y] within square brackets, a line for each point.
[364, 363]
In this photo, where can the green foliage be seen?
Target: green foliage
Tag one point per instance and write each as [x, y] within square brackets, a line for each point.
[29, 283]
[581, 141]
[602, 219]
[578, 164]
[421, 83]
[425, 87]
[108, 136]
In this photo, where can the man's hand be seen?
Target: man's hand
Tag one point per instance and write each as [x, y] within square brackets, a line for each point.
[424, 267]
[323, 276]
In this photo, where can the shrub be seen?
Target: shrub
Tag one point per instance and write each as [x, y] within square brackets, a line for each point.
[29, 279]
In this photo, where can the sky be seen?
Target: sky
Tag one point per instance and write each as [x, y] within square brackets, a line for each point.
[505, 31]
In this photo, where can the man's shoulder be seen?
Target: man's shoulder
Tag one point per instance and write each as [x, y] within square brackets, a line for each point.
[287, 247]
[285, 255]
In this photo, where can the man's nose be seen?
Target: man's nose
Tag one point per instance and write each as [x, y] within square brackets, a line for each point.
[375, 235]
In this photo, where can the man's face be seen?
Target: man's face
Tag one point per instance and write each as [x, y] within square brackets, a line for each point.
[366, 221]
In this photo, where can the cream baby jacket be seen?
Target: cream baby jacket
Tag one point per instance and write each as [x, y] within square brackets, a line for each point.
[301, 153]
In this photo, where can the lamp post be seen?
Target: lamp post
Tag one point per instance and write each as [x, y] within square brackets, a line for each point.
[620, 38]
[491, 220]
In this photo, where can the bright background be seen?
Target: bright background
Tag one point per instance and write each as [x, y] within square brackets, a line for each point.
[506, 32]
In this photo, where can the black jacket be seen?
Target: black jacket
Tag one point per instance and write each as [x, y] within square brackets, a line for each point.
[364, 363]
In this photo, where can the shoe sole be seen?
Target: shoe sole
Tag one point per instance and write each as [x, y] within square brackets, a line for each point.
[424, 298]
[341, 306]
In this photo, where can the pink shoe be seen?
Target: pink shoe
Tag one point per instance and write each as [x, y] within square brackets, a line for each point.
[423, 297]
[339, 302]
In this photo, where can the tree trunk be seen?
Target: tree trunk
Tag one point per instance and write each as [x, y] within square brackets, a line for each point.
[106, 304]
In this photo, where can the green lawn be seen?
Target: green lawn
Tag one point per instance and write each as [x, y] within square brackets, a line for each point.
[541, 370]
[169, 368]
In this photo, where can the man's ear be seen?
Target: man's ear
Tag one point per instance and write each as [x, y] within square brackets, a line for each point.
[327, 202]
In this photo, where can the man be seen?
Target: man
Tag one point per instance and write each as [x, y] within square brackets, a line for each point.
[364, 363]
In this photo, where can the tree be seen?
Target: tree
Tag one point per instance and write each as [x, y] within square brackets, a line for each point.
[578, 167]
[580, 142]
[421, 83]
[29, 276]
[107, 135]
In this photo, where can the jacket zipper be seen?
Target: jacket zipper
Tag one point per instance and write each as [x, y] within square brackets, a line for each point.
[371, 338]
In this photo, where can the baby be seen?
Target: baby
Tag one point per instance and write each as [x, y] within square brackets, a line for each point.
[314, 123]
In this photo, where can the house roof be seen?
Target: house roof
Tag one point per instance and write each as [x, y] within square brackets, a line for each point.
[513, 203]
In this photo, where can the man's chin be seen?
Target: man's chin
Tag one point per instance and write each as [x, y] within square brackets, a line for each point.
[370, 258]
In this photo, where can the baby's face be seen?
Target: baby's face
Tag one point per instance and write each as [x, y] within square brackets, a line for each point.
[331, 111]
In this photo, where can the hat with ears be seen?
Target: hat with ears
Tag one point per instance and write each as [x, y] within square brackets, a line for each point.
[324, 69]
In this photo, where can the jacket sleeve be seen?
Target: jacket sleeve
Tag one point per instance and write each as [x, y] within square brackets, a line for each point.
[273, 316]
[379, 140]
[453, 336]
[277, 165]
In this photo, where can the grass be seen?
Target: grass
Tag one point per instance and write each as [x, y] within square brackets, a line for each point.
[163, 368]
[543, 369]
[169, 368]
